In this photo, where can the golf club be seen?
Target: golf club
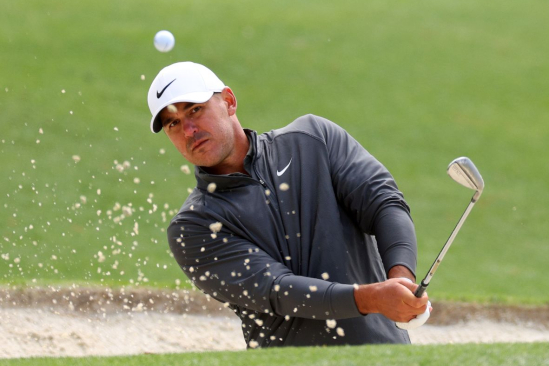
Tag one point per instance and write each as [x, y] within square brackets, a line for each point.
[463, 171]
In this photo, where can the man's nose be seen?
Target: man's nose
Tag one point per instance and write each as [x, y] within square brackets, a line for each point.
[189, 127]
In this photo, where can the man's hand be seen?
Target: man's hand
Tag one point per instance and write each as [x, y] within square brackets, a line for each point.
[393, 298]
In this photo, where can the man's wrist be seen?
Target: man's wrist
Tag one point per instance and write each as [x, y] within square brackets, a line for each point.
[401, 271]
[364, 298]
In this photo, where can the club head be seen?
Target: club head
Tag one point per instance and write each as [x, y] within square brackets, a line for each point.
[463, 171]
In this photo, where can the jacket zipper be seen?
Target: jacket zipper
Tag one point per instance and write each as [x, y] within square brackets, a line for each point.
[272, 196]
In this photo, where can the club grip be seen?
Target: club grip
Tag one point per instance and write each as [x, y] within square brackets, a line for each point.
[420, 290]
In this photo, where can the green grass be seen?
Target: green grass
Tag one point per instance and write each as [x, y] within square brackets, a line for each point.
[471, 354]
[418, 84]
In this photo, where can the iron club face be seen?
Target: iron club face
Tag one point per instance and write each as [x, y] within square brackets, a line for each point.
[463, 171]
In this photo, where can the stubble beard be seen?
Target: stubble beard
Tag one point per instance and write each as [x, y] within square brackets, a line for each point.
[218, 150]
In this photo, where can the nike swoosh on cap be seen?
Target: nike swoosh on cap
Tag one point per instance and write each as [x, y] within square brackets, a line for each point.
[279, 173]
[158, 95]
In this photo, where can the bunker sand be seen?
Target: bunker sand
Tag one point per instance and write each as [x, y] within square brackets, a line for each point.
[98, 321]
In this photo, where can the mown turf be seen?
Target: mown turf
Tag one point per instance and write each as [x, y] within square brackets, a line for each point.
[450, 355]
[418, 84]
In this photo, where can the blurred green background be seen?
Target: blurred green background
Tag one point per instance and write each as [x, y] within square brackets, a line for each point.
[87, 190]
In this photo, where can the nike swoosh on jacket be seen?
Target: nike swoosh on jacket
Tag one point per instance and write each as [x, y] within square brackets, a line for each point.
[279, 173]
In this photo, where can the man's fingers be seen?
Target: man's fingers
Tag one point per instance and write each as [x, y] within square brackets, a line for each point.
[422, 309]
[414, 302]
[410, 299]
[419, 304]
[415, 322]
[406, 282]
[409, 312]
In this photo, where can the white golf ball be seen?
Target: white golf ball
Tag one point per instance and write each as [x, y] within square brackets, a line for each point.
[164, 41]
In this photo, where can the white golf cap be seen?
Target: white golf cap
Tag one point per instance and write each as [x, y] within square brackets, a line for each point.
[181, 82]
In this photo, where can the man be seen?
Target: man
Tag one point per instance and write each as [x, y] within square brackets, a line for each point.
[297, 229]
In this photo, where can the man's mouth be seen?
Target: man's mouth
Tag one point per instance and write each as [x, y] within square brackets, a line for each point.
[198, 144]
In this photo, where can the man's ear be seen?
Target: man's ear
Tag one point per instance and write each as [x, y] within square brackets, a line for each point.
[228, 97]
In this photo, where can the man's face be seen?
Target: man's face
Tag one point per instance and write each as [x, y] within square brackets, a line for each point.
[202, 132]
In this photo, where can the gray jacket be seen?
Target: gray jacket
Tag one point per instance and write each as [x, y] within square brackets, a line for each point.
[316, 215]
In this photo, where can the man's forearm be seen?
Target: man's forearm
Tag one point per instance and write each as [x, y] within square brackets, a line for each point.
[396, 241]
[306, 297]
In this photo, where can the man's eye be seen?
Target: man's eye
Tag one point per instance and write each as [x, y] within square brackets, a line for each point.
[196, 109]
[174, 123]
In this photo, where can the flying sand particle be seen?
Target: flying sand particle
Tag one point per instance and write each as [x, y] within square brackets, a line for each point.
[100, 257]
[216, 227]
[185, 169]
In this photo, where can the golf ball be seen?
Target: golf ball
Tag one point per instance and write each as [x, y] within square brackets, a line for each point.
[164, 41]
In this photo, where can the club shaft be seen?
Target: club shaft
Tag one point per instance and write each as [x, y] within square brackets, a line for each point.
[445, 248]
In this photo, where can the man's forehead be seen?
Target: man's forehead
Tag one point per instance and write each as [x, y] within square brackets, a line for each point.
[176, 106]
[170, 109]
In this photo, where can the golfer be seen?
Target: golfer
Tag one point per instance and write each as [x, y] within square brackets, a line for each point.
[300, 231]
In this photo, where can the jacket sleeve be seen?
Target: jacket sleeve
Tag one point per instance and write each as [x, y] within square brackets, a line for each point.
[369, 193]
[236, 271]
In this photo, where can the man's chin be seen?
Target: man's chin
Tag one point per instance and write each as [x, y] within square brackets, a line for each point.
[205, 164]
[201, 159]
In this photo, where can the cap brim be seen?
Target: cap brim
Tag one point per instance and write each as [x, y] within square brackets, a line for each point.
[198, 97]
